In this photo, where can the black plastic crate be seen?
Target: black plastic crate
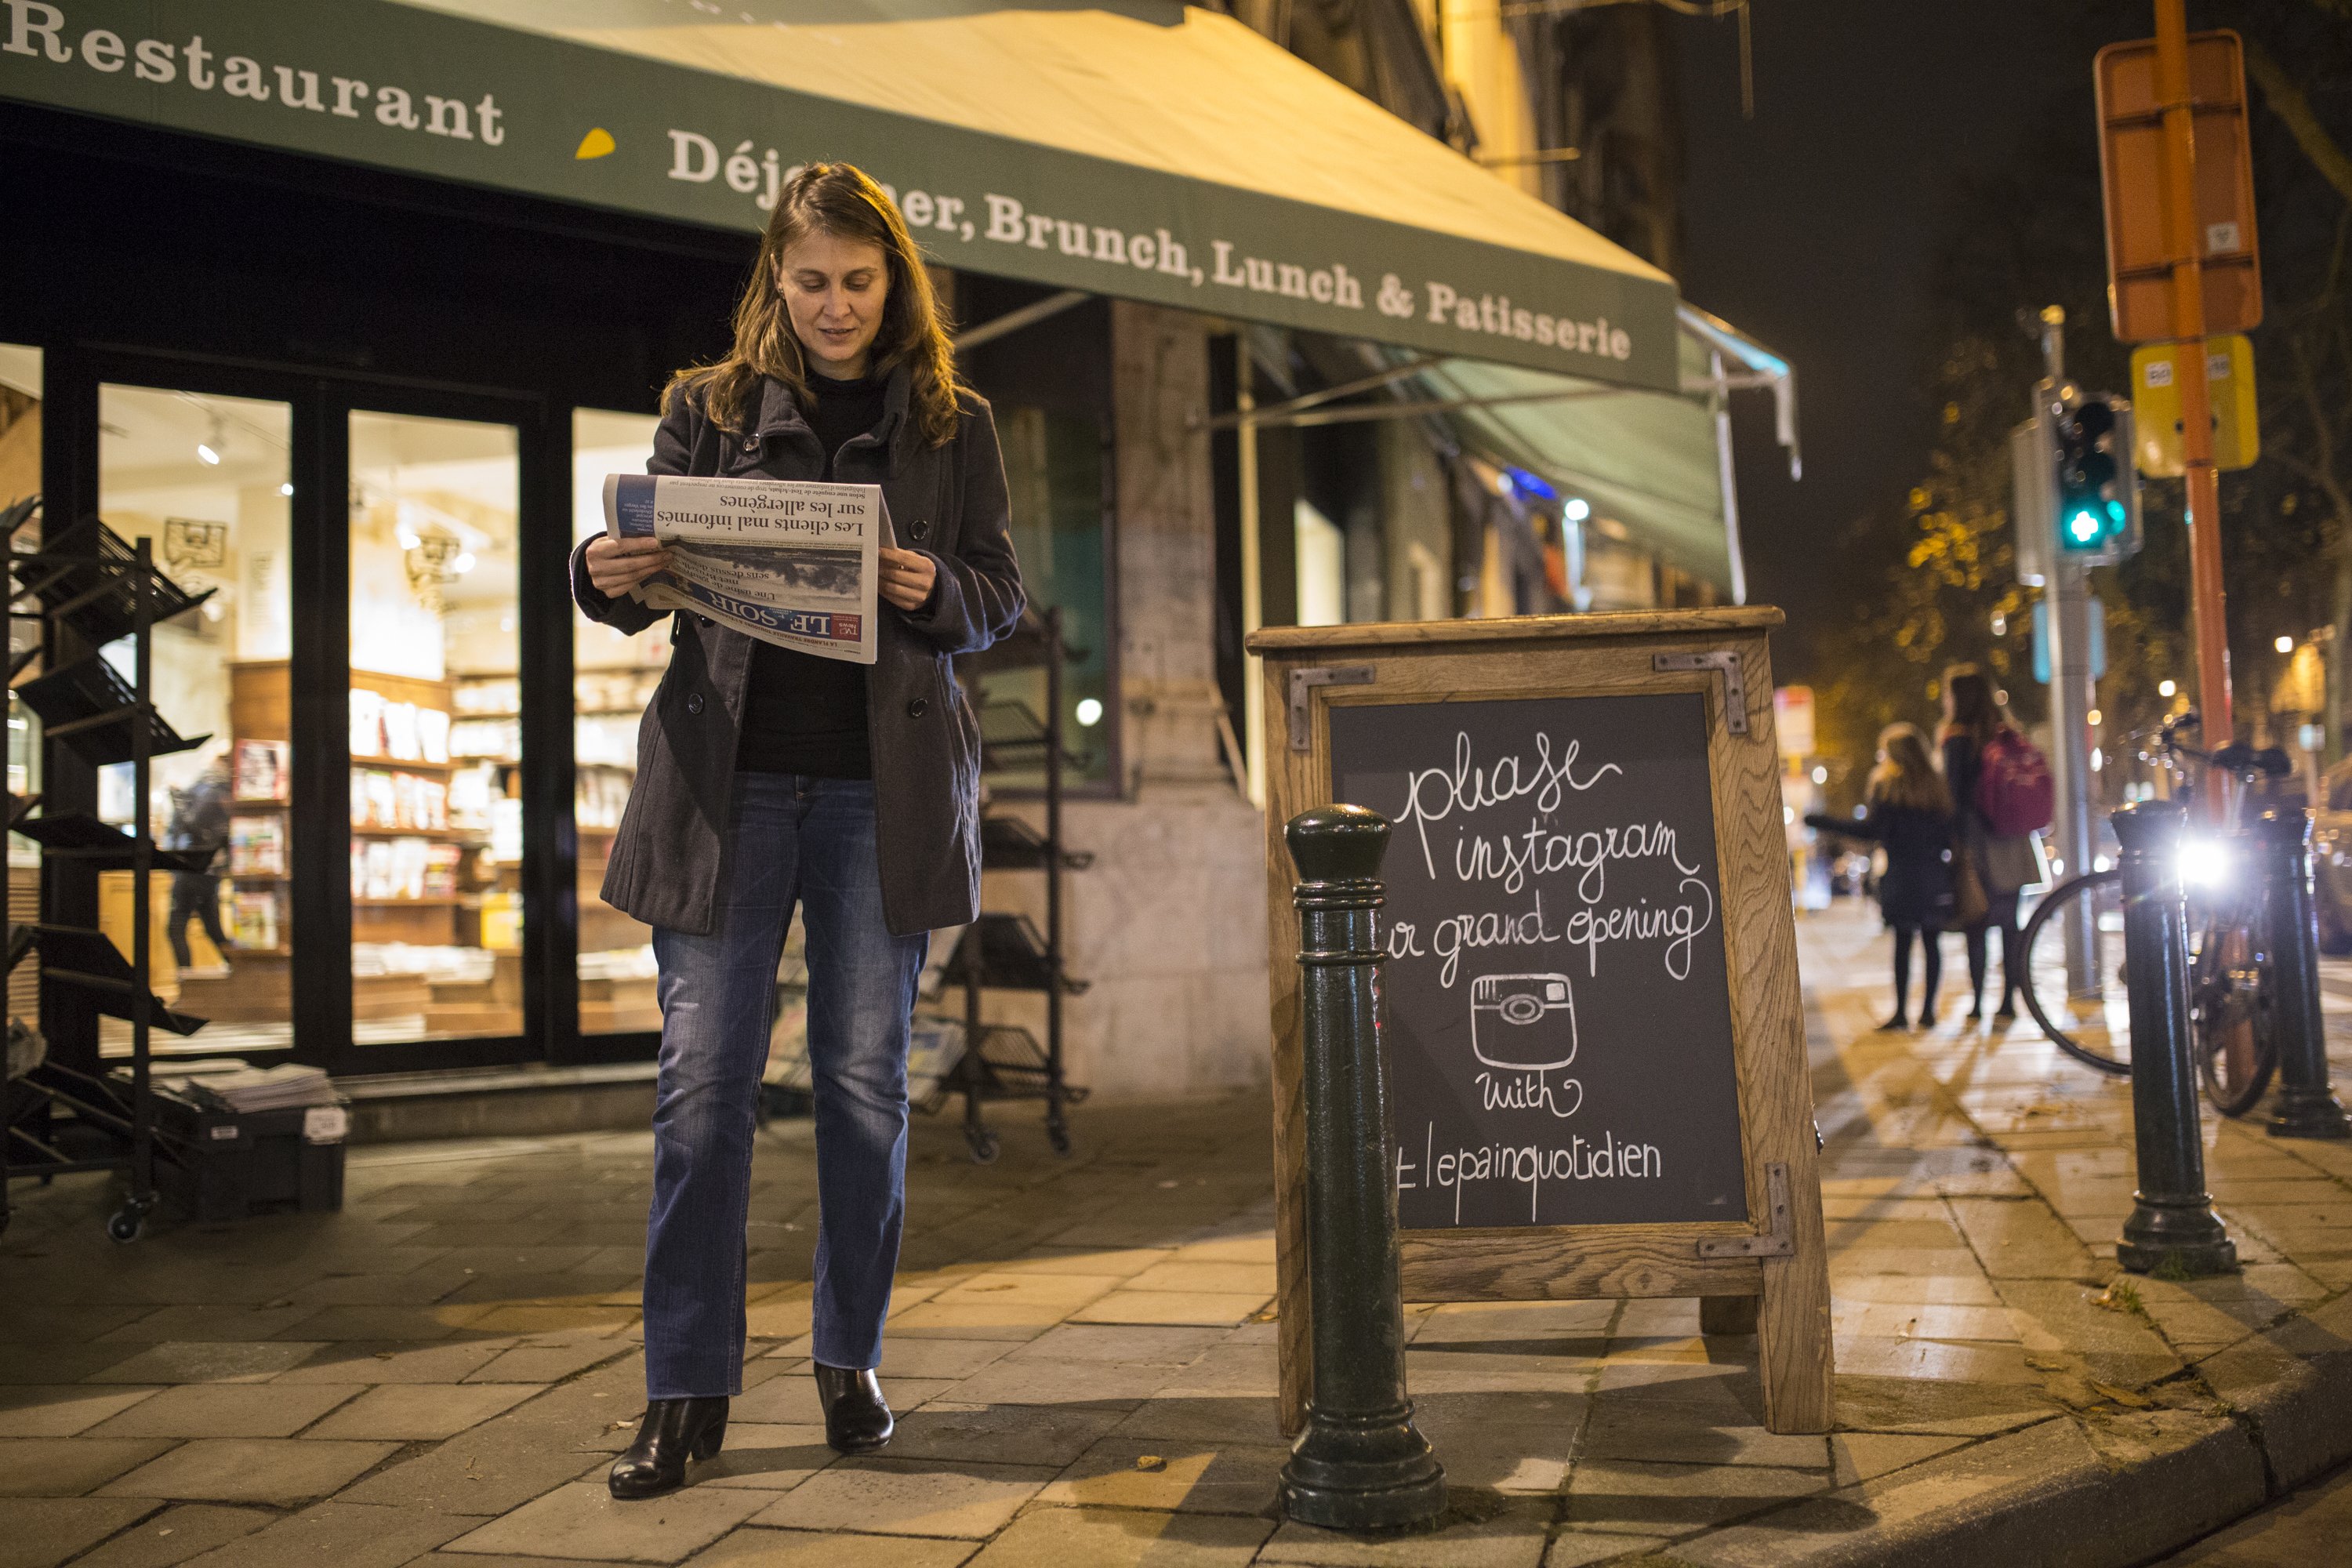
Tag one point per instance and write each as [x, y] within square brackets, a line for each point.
[222, 1165]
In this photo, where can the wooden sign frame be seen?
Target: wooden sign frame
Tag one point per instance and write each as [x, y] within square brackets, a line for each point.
[1778, 1259]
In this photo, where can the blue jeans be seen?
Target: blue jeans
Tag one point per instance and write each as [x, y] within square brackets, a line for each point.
[795, 840]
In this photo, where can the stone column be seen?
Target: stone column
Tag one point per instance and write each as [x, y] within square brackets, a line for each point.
[1169, 923]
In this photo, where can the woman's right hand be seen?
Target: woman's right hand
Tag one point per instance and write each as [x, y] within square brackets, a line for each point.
[617, 565]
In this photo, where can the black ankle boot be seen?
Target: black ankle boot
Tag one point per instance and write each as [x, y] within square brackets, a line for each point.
[856, 1418]
[673, 1431]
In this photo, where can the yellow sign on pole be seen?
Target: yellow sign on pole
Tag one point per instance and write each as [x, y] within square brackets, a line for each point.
[2156, 405]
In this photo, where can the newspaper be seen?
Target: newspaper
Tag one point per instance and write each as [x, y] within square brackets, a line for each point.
[790, 563]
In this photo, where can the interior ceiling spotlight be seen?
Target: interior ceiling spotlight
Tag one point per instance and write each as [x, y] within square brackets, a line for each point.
[1576, 509]
[210, 448]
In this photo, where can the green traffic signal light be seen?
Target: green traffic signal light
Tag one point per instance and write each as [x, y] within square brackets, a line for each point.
[2092, 514]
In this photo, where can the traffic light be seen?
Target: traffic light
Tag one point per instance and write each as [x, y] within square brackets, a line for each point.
[2097, 493]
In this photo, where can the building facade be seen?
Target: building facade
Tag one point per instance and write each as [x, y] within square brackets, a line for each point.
[366, 393]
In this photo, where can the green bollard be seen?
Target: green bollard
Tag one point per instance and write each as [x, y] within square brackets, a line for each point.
[1360, 1464]
[2307, 1106]
[2172, 1224]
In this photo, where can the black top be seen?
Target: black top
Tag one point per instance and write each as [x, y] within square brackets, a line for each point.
[802, 714]
[1916, 889]
[1963, 762]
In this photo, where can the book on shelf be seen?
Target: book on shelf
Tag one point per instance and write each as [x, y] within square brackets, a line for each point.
[262, 770]
[400, 737]
[367, 723]
[253, 920]
[257, 844]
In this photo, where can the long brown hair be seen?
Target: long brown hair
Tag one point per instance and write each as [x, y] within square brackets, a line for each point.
[836, 199]
[1976, 711]
[1908, 777]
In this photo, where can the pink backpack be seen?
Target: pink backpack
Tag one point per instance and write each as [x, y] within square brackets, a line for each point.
[2014, 792]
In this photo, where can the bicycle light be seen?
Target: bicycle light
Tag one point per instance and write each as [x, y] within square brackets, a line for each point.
[2204, 862]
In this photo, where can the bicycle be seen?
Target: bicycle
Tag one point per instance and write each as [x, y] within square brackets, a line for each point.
[2232, 987]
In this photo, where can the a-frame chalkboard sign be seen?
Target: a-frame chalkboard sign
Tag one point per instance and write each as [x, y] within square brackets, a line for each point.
[1591, 1016]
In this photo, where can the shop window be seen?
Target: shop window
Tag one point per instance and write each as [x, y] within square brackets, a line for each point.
[1054, 470]
[436, 840]
[208, 481]
[1322, 568]
[20, 476]
[614, 678]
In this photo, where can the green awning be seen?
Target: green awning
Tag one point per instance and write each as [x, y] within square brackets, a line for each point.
[1656, 464]
[1136, 149]
[1645, 459]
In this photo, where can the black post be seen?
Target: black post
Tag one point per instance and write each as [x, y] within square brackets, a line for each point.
[1360, 1464]
[2173, 1225]
[2305, 1106]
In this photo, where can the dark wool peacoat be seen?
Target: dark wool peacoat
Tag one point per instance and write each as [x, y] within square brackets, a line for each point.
[949, 502]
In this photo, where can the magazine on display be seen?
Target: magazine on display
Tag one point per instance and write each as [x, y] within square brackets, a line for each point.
[788, 562]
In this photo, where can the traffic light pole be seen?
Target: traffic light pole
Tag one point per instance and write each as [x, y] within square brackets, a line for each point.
[2183, 249]
[2070, 726]
[2070, 697]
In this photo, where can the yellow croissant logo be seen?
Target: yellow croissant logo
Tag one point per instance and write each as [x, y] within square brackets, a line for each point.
[597, 144]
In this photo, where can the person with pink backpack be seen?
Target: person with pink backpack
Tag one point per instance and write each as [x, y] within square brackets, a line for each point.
[2002, 795]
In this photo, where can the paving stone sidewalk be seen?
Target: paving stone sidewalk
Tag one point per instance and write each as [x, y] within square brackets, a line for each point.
[1079, 1350]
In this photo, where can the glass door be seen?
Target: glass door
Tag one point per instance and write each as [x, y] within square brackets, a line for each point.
[436, 723]
[209, 480]
[614, 678]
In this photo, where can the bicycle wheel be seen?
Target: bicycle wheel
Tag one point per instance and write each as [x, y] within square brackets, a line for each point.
[2080, 1005]
[2233, 1012]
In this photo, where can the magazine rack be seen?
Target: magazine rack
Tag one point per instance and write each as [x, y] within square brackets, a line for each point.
[89, 588]
[1006, 951]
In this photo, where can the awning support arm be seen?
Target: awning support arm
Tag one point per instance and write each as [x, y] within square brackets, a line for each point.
[1277, 413]
[1361, 413]
[1028, 315]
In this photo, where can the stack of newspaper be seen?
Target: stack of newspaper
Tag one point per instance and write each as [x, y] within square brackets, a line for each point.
[789, 563]
[247, 1088]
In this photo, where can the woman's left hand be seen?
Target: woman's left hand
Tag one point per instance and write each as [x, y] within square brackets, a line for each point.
[908, 576]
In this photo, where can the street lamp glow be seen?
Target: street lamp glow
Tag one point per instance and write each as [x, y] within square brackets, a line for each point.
[2284, 644]
[1821, 775]
[1089, 711]
[2096, 717]
[2165, 688]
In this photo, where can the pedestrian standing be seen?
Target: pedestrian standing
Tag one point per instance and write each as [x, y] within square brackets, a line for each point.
[1977, 729]
[773, 779]
[200, 823]
[1908, 811]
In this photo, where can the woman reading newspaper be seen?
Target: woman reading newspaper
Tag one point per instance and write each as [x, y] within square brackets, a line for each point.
[770, 778]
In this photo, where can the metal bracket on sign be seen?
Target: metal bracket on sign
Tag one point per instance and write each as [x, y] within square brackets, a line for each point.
[1735, 684]
[1302, 682]
[1780, 1241]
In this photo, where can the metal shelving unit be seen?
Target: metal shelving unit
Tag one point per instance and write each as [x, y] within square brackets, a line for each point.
[90, 588]
[1007, 952]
